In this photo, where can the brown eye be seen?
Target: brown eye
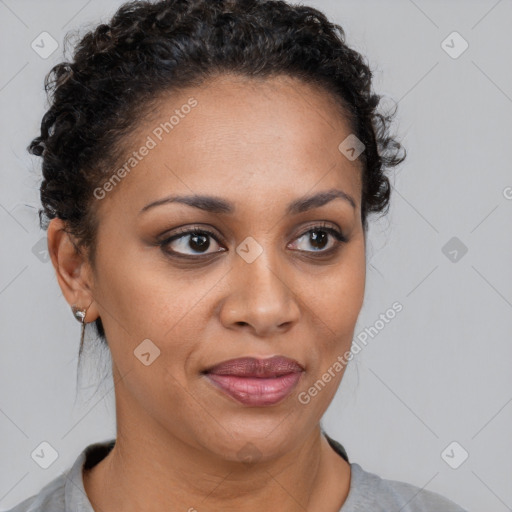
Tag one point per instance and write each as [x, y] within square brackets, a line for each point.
[190, 243]
[318, 238]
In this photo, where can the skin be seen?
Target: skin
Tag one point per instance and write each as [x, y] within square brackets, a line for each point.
[259, 145]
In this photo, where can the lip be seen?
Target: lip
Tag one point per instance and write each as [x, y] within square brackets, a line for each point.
[254, 381]
[256, 367]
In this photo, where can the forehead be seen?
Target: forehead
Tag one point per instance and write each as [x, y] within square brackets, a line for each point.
[235, 136]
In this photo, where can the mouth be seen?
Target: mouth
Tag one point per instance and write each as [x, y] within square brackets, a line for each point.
[256, 382]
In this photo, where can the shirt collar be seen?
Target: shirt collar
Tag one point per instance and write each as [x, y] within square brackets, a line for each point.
[75, 497]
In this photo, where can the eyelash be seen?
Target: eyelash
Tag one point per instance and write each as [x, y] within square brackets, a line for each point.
[340, 239]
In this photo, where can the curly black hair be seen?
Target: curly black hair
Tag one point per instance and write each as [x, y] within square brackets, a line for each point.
[149, 48]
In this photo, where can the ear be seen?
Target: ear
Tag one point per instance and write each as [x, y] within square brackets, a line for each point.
[73, 271]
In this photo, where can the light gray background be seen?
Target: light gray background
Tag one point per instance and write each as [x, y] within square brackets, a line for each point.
[438, 372]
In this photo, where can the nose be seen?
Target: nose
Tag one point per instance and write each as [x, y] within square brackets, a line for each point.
[259, 299]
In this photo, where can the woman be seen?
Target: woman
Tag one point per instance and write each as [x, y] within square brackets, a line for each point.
[209, 169]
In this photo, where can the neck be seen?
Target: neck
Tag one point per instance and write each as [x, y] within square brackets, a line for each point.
[165, 473]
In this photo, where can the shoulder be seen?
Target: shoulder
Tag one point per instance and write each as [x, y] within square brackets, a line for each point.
[380, 494]
[49, 498]
[66, 492]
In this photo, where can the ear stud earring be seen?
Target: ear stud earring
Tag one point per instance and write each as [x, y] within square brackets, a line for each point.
[79, 314]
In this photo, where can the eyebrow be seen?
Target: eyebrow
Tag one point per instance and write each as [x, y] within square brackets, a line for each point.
[214, 204]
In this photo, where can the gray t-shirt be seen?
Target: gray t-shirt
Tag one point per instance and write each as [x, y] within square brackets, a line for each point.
[368, 492]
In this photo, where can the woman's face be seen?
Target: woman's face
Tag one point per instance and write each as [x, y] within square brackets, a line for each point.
[262, 284]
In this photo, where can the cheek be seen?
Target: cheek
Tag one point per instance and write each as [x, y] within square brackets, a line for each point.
[335, 316]
[340, 299]
[149, 300]
[337, 305]
[154, 302]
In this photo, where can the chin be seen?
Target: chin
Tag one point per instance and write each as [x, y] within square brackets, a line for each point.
[254, 441]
